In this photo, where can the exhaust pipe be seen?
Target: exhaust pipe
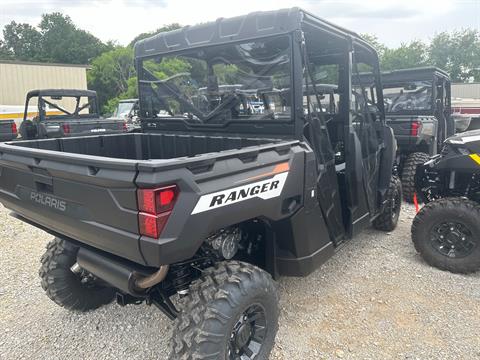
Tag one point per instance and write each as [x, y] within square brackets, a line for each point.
[152, 280]
[124, 275]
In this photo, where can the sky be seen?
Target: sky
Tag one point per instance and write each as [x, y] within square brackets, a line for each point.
[392, 21]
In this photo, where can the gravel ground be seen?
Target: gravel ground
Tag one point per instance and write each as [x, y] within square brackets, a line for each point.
[376, 299]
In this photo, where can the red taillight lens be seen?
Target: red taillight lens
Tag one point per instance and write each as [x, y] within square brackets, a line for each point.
[157, 201]
[14, 128]
[66, 128]
[123, 126]
[155, 206]
[414, 127]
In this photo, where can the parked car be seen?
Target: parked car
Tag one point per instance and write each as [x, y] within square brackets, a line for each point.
[210, 203]
[76, 113]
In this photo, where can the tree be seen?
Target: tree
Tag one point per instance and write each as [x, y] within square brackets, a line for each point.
[111, 73]
[5, 53]
[458, 53]
[373, 40]
[142, 36]
[413, 54]
[63, 42]
[21, 41]
[57, 39]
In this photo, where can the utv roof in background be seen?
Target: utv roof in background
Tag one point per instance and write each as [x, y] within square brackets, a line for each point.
[240, 28]
[61, 92]
[420, 73]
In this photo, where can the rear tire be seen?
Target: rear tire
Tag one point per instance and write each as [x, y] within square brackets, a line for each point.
[446, 233]
[408, 174]
[388, 219]
[232, 307]
[65, 287]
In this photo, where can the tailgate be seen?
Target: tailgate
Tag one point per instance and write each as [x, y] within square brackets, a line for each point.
[96, 127]
[401, 126]
[94, 203]
[6, 130]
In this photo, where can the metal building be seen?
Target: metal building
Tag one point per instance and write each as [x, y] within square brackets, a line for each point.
[466, 90]
[19, 77]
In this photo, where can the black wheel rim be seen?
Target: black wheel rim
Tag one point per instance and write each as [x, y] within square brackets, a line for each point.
[452, 239]
[248, 334]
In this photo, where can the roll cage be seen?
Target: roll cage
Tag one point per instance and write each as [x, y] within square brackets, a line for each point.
[303, 31]
[47, 97]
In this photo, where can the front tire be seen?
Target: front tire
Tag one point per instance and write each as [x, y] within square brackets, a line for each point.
[231, 312]
[388, 219]
[73, 291]
[446, 233]
[408, 174]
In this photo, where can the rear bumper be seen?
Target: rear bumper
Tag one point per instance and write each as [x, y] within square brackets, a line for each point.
[112, 240]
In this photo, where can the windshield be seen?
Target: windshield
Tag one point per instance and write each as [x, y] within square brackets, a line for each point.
[408, 96]
[123, 109]
[218, 84]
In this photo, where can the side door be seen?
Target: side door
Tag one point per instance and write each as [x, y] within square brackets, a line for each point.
[320, 97]
[365, 143]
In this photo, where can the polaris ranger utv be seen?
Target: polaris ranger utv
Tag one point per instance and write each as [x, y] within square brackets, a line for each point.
[211, 202]
[418, 109]
[446, 231]
[66, 113]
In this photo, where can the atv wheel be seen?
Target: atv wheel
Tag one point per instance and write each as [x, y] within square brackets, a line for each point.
[231, 312]
[408, 174]
[388, 219]
[68, 285]
[446, 233]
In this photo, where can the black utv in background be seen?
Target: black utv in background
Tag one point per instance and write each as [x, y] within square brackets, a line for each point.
[66, 113]
[418, 109]
[446, 232]
[242, 174]
[8, 130]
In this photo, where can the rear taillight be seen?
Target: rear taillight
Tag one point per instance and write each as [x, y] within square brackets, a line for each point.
[414, 127]
[155, 206]
[14, 128]
[66, 128]
[122, 126]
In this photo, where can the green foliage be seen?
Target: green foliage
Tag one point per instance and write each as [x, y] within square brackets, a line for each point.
[22, 42]
[5, 53]
[111, 74]
[458, 53]
[373, 40]
[167, 67]
[165, 28]
[413, 54]
[63, 42]
[56, 40]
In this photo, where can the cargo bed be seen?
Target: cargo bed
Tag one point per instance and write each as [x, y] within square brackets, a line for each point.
[143, 146]
[85, 188]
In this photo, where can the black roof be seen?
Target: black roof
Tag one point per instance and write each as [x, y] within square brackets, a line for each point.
[420, 73]
[250, 26]
[61, 92]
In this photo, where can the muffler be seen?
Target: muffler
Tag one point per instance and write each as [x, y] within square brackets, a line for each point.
[129, 277]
